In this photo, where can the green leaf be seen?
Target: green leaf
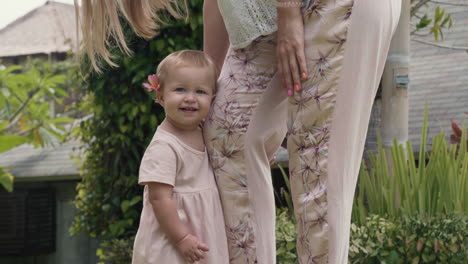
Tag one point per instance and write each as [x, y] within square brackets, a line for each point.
[6, 93]
[423, 22]
[135, 200]
[6, 179]
[125, 205]
[61, 120]
[8, 142]
[10, 69]
[3, 125]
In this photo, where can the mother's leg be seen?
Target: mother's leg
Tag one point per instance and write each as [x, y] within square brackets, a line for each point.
[372, 27]
[346, 45]
[243, 131]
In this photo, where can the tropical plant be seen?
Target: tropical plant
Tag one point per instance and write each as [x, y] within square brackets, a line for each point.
[26, 95]
[434, 24]
[434, 184]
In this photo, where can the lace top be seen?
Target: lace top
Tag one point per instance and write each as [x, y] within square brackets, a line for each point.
[246, 20]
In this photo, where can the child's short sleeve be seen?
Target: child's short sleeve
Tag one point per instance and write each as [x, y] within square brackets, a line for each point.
[159, 164]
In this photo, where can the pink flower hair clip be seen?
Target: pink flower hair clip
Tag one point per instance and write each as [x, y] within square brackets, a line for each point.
[153, 84]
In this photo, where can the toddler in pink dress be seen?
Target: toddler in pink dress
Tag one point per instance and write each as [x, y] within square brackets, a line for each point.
[182, 219]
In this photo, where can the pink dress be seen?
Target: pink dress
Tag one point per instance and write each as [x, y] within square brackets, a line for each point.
[170, 161]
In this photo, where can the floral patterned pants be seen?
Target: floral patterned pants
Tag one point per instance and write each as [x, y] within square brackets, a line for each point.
[346, 45]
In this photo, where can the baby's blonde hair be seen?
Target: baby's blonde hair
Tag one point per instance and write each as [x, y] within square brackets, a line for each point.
[184, 58]
[100, 23]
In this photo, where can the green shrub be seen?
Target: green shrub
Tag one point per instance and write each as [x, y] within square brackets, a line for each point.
[116, 251]
[442, 239]
[286, 233]
[434, 184]
[415, 240]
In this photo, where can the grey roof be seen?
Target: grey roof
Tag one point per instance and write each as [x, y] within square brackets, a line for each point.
[46, 29]
[438, 76]
[51, 162]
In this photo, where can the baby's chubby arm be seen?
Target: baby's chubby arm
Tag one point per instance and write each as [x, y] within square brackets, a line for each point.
[165, 210]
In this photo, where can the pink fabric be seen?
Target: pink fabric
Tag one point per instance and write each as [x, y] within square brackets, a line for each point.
[168, 160]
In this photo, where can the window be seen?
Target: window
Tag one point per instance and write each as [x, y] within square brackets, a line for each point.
[27, 223]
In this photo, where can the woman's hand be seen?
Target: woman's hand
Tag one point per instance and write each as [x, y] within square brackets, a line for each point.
[191, 248]
[290, 48]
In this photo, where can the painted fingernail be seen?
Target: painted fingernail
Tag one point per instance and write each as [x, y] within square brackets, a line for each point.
[304, 75]
[297, 87]
[290, 92]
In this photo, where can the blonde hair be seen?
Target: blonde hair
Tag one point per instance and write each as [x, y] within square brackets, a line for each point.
[184, 58]
[100, 23]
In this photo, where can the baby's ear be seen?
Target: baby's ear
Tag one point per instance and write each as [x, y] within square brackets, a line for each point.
[160, 98]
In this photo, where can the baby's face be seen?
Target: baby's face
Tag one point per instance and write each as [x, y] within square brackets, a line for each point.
[187, 95]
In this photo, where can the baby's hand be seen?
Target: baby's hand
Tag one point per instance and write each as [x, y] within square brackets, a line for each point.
[191, 248]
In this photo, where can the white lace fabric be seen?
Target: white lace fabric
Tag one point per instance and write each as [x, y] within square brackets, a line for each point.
[246, 20]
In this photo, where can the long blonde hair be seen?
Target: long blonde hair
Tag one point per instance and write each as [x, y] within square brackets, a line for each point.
[100, 23]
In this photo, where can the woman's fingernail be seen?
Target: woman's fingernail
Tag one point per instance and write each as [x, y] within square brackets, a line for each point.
[297, 87]
[304, 75]
[290, 92]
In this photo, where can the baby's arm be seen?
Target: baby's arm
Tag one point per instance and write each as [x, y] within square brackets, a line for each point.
[165, 210]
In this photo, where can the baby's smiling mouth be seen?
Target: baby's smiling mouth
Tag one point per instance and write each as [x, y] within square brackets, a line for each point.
[188, 109]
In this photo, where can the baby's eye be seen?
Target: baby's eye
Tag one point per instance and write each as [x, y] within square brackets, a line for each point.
[201, 92]
[179, 89]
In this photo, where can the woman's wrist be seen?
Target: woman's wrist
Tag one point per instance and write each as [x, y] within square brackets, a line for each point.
[288, 13]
